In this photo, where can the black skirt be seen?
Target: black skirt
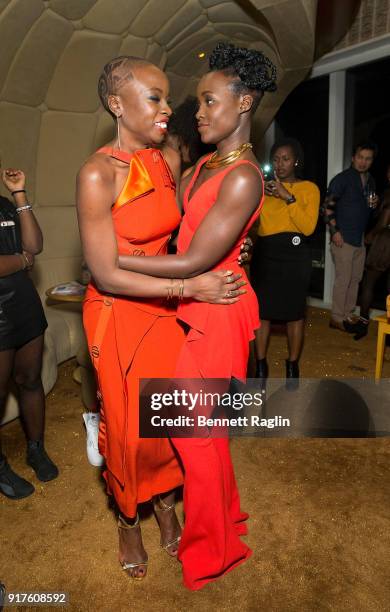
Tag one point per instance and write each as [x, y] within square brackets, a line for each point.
[21, 314]
[280, 275]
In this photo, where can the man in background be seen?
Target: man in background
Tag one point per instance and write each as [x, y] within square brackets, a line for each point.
[348, 205]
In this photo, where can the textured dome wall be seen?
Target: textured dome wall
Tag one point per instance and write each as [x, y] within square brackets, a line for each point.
[53, 52]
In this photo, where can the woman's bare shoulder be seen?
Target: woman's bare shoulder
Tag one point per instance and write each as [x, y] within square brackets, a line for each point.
[96, 183]
[98, 167]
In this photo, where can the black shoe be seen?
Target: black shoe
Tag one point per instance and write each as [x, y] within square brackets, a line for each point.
[12, 485]
[349, 327]
[361, 329]
[38, 459]
[333, 324]
[262, 373]
[292, 375]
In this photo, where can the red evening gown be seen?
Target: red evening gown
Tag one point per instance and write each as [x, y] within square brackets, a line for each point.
[216, 346]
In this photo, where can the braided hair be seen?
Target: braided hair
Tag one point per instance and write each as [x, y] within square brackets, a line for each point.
[116, 73]
[253, 71]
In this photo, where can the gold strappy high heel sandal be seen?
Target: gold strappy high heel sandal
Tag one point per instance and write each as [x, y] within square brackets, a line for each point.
[160, 506]
[122, 524]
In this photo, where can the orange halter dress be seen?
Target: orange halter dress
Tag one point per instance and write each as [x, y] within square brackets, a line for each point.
[216, 346]
[131, 338]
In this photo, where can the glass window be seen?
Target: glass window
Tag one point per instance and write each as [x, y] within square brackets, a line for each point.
[368, 118]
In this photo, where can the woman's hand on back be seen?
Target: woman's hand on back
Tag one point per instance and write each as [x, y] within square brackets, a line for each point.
[245, 251]
[220, 287]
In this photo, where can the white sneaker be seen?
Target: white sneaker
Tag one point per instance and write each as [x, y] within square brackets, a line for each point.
[91, 420]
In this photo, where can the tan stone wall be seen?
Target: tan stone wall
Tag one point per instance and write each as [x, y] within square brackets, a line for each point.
[372, 21]
[52, 54]
[53, 51]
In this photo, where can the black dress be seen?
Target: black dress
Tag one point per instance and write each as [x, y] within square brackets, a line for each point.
[21, 314]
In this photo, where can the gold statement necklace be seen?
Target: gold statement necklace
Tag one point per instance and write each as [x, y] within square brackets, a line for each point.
[218, 162]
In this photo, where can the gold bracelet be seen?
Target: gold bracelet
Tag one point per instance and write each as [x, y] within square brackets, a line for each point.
[181, 289]
[176, 286]
[170, 290]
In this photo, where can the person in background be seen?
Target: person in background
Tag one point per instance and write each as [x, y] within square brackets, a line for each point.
[349, 202]
[281, 262]
[377, 263]
[22, 325]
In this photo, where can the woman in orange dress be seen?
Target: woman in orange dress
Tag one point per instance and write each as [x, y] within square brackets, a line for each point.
[126, 205]
[221, 202]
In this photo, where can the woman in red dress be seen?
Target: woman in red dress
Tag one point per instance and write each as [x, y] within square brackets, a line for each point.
[126, 205]
[221, 201]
